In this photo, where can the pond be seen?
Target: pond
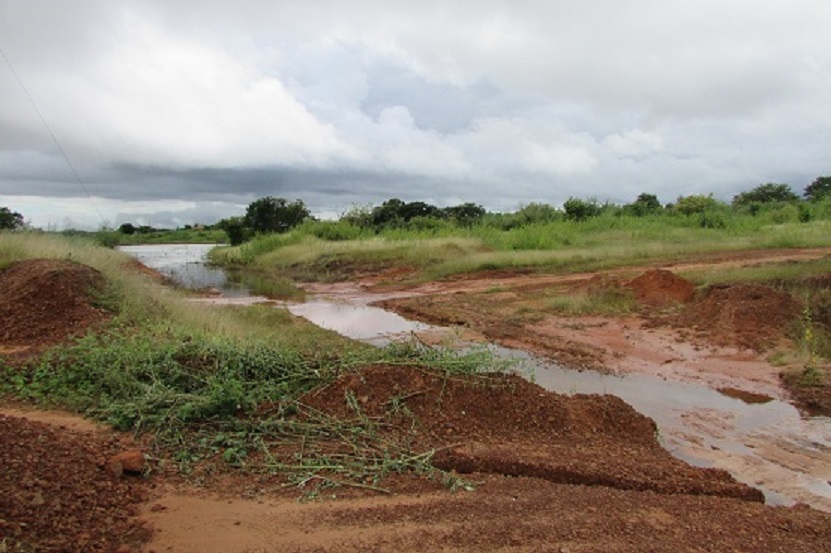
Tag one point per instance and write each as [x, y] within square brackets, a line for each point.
[765, 444]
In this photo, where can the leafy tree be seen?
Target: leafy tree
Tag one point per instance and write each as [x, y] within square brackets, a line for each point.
[764, 194]
[819, 189]
[358, 215]
[418, 209]
[580, 210]
[643, 205]
[127, 228]
[10, 220]
[271, 214]
[396, 211]
[697, 203]
[536, 212]
[464, 214]
[387, 212]
[236, 230]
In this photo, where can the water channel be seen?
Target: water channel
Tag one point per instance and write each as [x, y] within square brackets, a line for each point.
[766, 445]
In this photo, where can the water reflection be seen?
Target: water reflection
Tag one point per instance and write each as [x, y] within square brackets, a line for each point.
[359, 322]
[185, 264]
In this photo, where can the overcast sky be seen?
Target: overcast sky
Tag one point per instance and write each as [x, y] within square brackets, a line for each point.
[181, 111]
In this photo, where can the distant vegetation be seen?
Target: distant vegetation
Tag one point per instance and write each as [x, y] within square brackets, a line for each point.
[766, 204]
[583, 234]
[10, 220]
[770, 203]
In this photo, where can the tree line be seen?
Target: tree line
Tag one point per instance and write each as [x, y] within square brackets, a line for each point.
[276, 215]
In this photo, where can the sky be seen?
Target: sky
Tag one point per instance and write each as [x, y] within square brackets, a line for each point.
[173, 112]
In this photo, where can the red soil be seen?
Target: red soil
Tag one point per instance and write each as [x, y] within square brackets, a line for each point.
[661, 288]
[45, 301]
[57, 496]
[748, 316]
[506, 425]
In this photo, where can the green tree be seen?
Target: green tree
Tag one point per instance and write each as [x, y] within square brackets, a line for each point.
[394, 211]
[764, 194]
[536, 212]
[236, 230]
[819, 189]
[388, 212]
[643, 205]
[464, 214]
[697, 203]
[127, 228]
[580, 210]
[271, 214]
[10, 220]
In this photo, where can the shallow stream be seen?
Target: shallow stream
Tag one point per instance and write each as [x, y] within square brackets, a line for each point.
[767, 445]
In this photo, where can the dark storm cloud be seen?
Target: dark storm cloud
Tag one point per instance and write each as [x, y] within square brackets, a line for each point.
[198, 107]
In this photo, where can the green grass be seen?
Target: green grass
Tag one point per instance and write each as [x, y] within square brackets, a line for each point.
[175, 236]
[558, 246]
[791, 272]
[604, 301]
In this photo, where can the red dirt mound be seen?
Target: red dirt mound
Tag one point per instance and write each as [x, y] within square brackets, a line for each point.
[504, 424]
[55, 494]
[661, 288]
[44, 301]
[749, 316]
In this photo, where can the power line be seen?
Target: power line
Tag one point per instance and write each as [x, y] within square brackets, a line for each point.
[51, 134]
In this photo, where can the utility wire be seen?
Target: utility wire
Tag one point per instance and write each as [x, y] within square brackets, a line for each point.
[51, 134]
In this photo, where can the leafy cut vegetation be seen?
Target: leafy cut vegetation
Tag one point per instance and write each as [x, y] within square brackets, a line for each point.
[213, 383]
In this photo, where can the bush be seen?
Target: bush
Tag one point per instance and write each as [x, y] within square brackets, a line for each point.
[764, 194]
[690, 205]
[580, 210]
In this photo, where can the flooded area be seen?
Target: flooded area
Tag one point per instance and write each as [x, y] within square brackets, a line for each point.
[185, 264]
[760, 440]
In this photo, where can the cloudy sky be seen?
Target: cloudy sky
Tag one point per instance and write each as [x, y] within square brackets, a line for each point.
[183, 111]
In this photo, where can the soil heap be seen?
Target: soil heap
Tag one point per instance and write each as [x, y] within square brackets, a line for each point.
[44, 301]
[750, 316]
[55, 494]
[661, 288]
[504, 424]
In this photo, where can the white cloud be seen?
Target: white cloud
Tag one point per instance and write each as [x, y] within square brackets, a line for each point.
[635, 143]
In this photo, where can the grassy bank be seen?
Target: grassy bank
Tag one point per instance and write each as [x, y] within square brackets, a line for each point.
[211, 383]
[559, 246]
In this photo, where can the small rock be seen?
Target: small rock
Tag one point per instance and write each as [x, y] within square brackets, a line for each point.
[131, 460]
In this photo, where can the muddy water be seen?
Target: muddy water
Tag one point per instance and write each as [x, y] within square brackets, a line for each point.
[765, 444]
[185, 264]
